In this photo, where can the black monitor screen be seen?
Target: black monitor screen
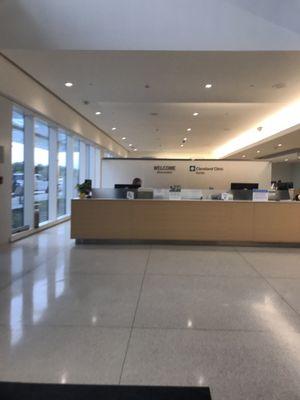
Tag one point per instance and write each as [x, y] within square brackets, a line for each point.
[126, 186]
[285, 185]
[243, 186]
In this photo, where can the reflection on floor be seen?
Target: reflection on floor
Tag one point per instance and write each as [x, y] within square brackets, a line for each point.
[223, 317]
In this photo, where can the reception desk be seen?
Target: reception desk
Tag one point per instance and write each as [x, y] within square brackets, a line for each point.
[240, 222]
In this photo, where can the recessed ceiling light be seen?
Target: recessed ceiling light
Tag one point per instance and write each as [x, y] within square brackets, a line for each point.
[184, 139]
[123, 138]
[279, 85]
[279, 145]
[195, 114]
[189, 129]
[181, 145]
[208, 86]
[134, 149]
[98, 113]
[258, 151]
[244, 155]
[68, 84]
[286, 159]
[113, 129]
[130, 145]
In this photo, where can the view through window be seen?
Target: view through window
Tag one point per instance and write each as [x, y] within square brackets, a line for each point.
[44, 156]
[41, 168]
[17, 155]
[61, 173]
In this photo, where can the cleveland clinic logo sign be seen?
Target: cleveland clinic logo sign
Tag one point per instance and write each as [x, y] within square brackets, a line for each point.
[164, 169]
[202, 170]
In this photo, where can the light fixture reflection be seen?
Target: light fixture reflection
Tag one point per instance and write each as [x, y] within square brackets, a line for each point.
[40, 299]
[16, 312]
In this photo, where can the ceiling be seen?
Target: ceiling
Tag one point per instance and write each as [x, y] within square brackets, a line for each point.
[278, 149]
[150, 97]
[150, 24]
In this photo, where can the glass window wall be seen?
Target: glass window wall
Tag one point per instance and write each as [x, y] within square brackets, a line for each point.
[61, 174]
[41, 168]
[17, 155]
[60, 161]
[76, 164]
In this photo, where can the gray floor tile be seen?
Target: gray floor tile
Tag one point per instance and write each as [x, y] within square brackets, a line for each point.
[108, 259]
[277, 263]
[236, 365]
[204, 261]
[62, 355]
[289, 289]
[79, 300]
[18, 260]
[211, 303]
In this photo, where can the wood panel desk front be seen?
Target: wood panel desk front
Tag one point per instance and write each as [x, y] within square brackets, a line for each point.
[186, 220]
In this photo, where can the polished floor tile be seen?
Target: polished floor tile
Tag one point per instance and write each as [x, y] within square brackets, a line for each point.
[97, 261]
[274, 263]
[203, 315]
[235, 365]
[18, 260]
[108, 259]
[62, 354]
[79, 300]
[289, 289]
[198, 260]
[211, 303]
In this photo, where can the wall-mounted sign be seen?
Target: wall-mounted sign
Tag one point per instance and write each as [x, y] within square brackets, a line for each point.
[202, 174]
[164, 169]
[202, 170]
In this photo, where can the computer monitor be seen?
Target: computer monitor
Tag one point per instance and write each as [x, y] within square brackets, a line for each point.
[243, 186]
[285, 185]
[128, 186]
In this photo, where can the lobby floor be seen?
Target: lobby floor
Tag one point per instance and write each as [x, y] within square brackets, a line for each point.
[223, 317]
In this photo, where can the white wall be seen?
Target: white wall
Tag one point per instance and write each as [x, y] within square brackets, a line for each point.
[5, 170]
[123, 171]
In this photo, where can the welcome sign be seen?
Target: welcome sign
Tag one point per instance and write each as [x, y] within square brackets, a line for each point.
[201, 174]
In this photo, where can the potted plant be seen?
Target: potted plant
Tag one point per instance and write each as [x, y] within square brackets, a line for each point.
[83, 189]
